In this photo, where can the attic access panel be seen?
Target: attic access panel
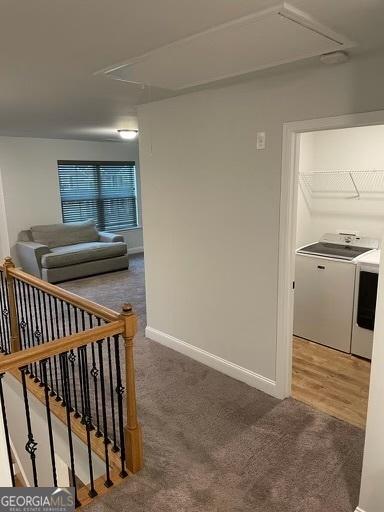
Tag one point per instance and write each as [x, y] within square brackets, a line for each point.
[265, 39]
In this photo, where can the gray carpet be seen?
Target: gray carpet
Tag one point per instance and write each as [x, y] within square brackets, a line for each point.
[215, 444]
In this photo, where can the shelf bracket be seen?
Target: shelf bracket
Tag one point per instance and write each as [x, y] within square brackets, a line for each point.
[357, 196]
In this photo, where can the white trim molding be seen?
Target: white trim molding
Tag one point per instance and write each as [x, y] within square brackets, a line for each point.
[136, 250]
[218, 363]
[359, 510]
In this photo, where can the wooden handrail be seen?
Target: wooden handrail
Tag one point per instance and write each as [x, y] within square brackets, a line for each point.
[101, 311]
[124, 323]
[34, 354]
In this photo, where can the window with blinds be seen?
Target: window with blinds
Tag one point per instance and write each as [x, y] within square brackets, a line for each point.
[103, 191]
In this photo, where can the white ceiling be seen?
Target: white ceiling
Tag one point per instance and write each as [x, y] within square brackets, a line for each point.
[50, 50]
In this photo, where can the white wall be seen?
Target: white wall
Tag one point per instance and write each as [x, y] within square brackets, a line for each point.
[4, 245]
[30, 184]
[359, 148]
[372, 492]
[211, 209]
[350, 149]
[211, 202]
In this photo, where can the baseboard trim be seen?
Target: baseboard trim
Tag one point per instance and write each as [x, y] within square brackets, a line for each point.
[359, 510]
[136, 250]
[218, 363]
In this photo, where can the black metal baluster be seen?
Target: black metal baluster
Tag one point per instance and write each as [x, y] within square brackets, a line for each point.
[108, 482]
[46, 335]
[29, 327]
[44, 321]
[3, 337]
[88, 415]
[63, 326]
[95, 373]
[76, 321]
[120, 392]
[33, 373]
[55, 301]
[6, 432]
[63, 358]
[35, 329]
[36, 332]
[54, 380]
[44, 298]
[72, 359]
[77, 410]
[45, 329]
[3, 309]
[80, 376]
[40, 314]
[17, 307]
[31, 445]
[43, 367]
[76, 316]
[19, 310]
[6, 316]
[22, 315]
[115, 448]
[65, 396]
[2, 334]
[70, 327]
[5, 313]
[40, 296]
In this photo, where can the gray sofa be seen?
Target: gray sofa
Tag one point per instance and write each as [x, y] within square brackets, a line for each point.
[59, 252]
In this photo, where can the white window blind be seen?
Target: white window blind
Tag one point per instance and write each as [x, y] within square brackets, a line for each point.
[103, 191]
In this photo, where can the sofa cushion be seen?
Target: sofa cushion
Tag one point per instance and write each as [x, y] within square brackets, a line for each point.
[81, 253]
[58, 235]
[25, 236]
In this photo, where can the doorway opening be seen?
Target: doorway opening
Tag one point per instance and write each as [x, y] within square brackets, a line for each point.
[340, 214]
[333, 214]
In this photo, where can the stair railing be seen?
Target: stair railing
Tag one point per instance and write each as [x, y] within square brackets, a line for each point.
[76, 357]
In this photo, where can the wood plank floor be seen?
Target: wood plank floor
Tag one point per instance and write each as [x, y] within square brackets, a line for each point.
[331, 381]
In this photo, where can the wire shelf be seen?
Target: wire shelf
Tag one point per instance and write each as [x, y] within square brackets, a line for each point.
[344, 184]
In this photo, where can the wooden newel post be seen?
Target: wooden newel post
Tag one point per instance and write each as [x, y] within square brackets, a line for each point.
[133, 435]
[12, 308]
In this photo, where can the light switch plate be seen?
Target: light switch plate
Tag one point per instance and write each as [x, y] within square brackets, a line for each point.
[260, 140]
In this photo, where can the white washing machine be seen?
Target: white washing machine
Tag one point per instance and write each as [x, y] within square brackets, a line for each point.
[367, 273]
[325, 288]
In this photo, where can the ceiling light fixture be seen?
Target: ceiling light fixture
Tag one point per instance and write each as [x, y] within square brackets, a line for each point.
[128, 134]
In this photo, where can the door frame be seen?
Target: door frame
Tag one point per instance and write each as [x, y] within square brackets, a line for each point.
[287, 230]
